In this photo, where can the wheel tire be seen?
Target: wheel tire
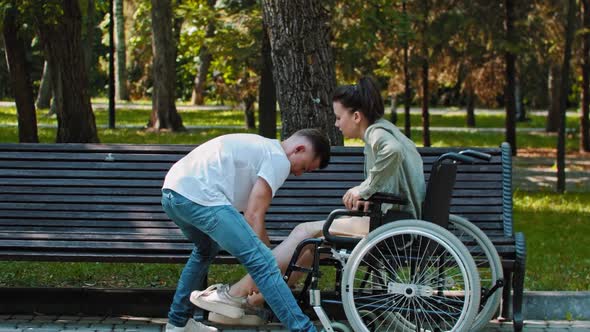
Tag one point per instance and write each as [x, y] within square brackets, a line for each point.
[419, 283]
[489, 266]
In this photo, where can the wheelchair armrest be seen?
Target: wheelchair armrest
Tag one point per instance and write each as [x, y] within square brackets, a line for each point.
[381, 197]
[341, 239]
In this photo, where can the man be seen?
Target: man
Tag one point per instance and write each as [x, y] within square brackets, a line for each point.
[204, 193]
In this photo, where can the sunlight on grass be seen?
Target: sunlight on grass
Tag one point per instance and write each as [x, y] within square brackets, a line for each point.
[556, 229]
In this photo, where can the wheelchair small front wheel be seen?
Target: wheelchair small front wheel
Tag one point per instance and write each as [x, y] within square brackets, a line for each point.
[431, 284]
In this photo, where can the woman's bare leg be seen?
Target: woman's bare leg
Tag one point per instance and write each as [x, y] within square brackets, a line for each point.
[282, 253]
[353, 226]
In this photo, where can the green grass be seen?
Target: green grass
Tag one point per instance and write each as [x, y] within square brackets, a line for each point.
[235, 118]
[135, 117]
[556, 229]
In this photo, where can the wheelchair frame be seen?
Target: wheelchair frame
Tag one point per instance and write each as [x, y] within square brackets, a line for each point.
[347, 255]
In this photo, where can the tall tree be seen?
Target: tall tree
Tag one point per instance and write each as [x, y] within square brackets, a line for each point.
[425, 92]
[552, 123]
[407, 83]
[120, 55]
[303, 64]
[510, 59]
[205, 58]
[267, 99]
[44, 93]
[19, 70]
[164, 114]
[584, 110]
[112, 75]
[567, 52]
[59, 26]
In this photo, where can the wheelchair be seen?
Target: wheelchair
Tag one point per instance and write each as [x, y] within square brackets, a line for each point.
[440, 273]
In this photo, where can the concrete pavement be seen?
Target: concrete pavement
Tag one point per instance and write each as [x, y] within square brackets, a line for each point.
[41, 323]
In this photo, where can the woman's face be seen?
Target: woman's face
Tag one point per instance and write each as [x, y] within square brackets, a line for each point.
[348, 122]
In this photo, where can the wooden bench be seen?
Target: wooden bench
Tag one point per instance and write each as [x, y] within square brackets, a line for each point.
[101, 203]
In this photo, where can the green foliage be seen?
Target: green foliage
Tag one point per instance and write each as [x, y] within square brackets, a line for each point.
[234, 47]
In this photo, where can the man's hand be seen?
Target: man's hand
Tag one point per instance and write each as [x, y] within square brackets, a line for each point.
[258, 203]
[353, 201]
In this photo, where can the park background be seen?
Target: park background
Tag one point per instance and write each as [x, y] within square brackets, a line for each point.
[452, 73]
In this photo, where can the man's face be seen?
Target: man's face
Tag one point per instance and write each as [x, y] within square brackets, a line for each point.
[303, 160]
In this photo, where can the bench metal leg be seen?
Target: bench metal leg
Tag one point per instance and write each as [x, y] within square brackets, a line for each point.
[518, 281]
[506, 296]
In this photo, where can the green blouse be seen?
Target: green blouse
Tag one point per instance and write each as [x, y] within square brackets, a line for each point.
[393, 165]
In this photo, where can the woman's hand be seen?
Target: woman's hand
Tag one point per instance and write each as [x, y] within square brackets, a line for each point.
[353, 201]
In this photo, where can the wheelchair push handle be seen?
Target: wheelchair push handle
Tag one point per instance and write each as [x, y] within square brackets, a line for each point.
[477, 154]
[454, 156]
[340, 239]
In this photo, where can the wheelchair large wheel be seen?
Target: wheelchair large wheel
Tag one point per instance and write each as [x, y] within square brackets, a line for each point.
[411, 275]
[489, 266]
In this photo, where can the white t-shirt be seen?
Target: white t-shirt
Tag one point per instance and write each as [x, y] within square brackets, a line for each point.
[223, 170]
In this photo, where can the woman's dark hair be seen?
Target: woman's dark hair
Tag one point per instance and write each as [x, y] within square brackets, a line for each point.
[363, 97]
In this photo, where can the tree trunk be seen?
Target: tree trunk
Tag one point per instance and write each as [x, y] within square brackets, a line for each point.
[120, 56]
[407, 87]
[393, 107]
[567, 54]
[164, 114]
[112, 74]
[470, 108]
[18, 69]
[248, 105]
[520, 110]
[510, 59]
[205, 56]
[425, 93]
[553, 113]
[88, 38]
[303, 65]
[62, 42]
[425, 113]
[267, 99]
[44, 95]
[584, 111]
[198, 97]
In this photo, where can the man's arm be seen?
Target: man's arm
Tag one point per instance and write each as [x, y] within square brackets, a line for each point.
[258, 203]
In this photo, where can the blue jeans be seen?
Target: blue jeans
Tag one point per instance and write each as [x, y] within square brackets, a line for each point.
[211, 228]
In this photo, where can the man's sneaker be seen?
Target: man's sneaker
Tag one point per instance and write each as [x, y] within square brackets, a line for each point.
[253, 316]
[191, 326]
[217, 299]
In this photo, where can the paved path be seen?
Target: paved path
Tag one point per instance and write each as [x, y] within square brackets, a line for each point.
[35, 323]
[539, 173]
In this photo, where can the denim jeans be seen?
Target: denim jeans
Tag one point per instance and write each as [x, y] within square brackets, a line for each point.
[210, 228]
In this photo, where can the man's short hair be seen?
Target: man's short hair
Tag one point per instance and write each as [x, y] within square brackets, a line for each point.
[320, 143]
